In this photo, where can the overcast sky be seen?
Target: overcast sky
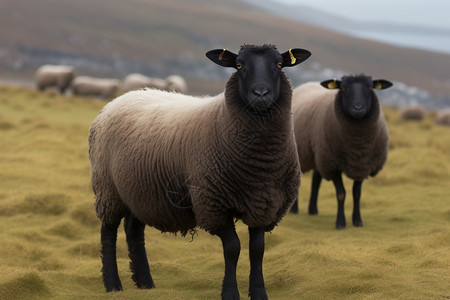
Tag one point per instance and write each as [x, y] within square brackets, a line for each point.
[432, 13]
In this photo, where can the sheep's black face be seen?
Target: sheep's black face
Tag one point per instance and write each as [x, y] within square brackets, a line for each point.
[259, 72]
[259, 78]
[356, 93]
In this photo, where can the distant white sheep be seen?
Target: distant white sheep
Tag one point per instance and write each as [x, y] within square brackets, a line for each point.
[176, 83]
[103, 88]
[412, 113]
[443, 117]
[59, 76]
[136, 81]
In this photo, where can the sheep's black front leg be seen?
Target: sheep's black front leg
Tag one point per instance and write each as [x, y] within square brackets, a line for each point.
[315, 185]
[134, 230]
[257, 289]
[340, 194]
[356, 199]
[111, 278]
[231, 250]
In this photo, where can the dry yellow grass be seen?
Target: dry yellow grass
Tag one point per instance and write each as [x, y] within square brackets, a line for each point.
[50, 236]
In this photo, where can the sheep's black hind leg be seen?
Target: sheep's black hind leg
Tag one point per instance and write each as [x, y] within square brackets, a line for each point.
[356, 199]
[134, 230]
[340, 194]
[111, 278]
[294, 208]
[231, 250]
[315, 185]
[257, 289]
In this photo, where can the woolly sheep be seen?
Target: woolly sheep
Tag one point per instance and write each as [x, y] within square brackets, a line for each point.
[412, 113]
[340, 130]
[443, 117]
[59, 76]
[176, 83]
[103, 88]
[136, 81]
[177, 162]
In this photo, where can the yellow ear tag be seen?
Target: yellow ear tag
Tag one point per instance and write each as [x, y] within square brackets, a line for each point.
[378, 86]
[332, 85]
[293, 59]
[221, 54]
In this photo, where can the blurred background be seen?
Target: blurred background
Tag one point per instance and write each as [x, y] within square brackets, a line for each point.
[48, 227]
[404, 41]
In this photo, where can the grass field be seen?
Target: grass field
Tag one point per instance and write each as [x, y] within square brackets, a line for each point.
[49, 234]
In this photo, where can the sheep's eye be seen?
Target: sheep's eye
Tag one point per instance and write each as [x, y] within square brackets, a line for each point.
[238, 66]
[279, 65]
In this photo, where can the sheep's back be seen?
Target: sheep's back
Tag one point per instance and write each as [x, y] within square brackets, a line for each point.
[138, 141]
[311, 103]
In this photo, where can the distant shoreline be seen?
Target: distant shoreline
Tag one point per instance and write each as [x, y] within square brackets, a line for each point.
[435, 43]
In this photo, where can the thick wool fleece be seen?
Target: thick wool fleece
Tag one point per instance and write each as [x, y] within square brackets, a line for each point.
[329, 141]
[177, 162]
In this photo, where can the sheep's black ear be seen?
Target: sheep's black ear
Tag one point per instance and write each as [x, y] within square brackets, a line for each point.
[222, 57]
[381, 84]
[294, 57]
[331, 84]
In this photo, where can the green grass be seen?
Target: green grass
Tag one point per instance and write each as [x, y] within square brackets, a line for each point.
[50, 236]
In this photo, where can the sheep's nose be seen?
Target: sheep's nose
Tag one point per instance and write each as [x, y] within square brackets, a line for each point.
[358, 106]
[260, 92]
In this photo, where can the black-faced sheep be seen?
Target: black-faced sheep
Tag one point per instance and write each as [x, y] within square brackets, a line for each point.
[104, 88]
[59, 76]
[443, 117]
[340, 129]
[412, 113]
[177, 162]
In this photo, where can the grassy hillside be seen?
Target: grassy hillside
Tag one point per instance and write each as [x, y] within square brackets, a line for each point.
[161, 37]
[50, 235]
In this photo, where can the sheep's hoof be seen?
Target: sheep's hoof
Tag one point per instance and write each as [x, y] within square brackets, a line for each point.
[340, 226]
[313, 212]
[357, 223]
[257, 294]
[117, 288]
[146, 285]
[230, 294]
[112, 284]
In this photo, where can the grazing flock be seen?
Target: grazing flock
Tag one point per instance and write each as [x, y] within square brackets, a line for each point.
[178, 163]
[63, 78]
